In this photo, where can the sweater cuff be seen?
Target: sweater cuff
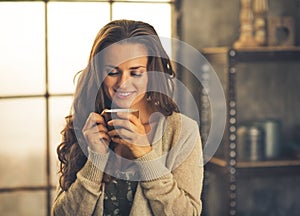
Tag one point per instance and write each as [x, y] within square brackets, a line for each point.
[94, 166]
[152, 166]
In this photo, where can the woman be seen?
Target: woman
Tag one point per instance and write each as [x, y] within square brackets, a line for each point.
[155, 166]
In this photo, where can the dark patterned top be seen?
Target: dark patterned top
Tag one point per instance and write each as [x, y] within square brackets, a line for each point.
[118, 197]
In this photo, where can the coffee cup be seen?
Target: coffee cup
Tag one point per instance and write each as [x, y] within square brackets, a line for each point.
[110, 114]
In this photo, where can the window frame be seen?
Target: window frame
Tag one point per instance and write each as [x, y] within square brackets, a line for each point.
[49, 188]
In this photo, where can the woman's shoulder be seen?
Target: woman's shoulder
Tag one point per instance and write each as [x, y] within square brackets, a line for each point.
[181, 131]
[182, 122]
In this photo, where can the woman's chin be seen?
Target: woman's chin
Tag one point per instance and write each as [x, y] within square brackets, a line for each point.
[122, 105]
[125, 104]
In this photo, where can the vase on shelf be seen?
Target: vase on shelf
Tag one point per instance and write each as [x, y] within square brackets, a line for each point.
[246, 37]
[260, 9]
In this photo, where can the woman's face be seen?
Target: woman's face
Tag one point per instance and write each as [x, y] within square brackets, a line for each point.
[125, 71]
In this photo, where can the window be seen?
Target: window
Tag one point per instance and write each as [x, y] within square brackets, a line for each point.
[43, 44]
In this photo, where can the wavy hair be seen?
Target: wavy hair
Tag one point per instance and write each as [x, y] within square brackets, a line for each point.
[90, 97]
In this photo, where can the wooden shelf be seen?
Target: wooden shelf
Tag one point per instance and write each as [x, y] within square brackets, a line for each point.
[219, 50]
[257, 164]
[218, 162]
[265, 164]
[253, 54]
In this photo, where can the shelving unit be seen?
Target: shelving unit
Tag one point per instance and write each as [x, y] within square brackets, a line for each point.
[226, 61]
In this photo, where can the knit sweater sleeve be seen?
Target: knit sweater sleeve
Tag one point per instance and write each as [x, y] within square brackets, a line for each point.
[82, 196]
[178, 192]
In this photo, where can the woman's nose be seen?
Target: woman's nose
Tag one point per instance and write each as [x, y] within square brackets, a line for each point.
[123, 80]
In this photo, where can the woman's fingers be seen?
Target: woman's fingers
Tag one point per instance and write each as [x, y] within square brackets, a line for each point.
[129, 116]
[92, 120]
[128, 121]
[129, 133]
[122, 123]
[95, 133]
[96, 137]
[121, 132]
[101, 127]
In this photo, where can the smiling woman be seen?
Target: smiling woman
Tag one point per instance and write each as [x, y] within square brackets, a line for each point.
[146, 165]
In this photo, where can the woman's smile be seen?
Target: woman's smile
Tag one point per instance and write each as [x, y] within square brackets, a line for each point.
[124, 94]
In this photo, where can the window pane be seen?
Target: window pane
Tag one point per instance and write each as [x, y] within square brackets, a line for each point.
[72, 28]
[22, 52]
[158, 15]
[23, 203]
[23, 141]
[59, 108]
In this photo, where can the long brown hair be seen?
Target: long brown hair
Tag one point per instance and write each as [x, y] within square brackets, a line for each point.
[90, 97]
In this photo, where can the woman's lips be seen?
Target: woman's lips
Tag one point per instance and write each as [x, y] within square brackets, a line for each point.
[124, 94]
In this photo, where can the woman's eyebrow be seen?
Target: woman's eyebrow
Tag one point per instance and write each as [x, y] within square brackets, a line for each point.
[111, 66]
[137, 67]
[131, 68]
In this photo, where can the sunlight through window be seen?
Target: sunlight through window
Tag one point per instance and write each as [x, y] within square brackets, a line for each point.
[43, 44]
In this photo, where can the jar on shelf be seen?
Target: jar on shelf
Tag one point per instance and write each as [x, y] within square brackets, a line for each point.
[250, 143]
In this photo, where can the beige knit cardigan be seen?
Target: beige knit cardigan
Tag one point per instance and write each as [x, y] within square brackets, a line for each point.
[172, 184]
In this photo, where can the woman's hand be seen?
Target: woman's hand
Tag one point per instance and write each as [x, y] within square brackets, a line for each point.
[95, 133]
[129, 135]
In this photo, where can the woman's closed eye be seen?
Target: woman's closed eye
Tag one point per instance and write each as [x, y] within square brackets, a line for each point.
[136, 73]
[113, 72]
